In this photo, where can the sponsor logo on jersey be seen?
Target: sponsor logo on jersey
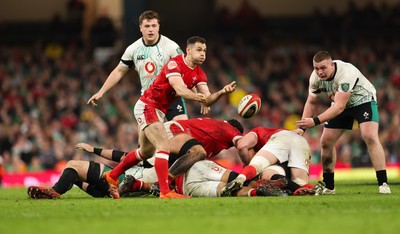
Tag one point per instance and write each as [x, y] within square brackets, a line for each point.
[150, 67]
[141, 57]
[216, 168]
[172, 64]
[345, 87]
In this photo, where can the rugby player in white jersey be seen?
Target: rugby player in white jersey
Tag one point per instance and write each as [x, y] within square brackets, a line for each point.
[148, 55]
[353, 98]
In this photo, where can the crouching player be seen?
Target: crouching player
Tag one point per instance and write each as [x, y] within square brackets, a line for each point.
[275, 146]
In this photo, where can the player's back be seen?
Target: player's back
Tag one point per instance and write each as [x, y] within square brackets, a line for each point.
[263, 135]
[215, 135]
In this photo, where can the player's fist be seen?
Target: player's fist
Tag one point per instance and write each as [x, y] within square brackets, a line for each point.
[201, 98]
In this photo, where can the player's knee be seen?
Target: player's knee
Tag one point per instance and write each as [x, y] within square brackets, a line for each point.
[370, 138]
[327, 144]
[260, 163]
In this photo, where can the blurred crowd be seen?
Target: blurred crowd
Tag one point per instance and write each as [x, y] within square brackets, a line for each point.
[44, 90]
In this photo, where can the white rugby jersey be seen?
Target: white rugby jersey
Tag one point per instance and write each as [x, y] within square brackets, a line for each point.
[347, 78]
[149, 59]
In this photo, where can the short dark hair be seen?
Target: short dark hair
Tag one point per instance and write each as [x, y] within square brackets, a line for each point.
[194, 39]
[149, 15]
[321, 56]
[236, 124]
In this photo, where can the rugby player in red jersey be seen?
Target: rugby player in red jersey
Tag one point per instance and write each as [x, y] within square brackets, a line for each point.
[180, 77]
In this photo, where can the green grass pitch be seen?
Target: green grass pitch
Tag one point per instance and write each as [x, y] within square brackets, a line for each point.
[357, 208]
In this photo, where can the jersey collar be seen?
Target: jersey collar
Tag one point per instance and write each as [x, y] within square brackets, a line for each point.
[158, 40]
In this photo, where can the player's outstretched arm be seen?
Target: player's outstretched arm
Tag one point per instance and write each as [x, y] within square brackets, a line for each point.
[110, 154]
[212, 98]
[114, 77]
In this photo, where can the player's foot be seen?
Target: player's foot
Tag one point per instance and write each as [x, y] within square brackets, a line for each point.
[37, 192]
[280, 183]
[327, 191]
[304, 191]
[319, 188]
[263, 190]
[112, 185]
[384, 189]
[173, 195]
[232, 187]
[155, 189]
[127, 185]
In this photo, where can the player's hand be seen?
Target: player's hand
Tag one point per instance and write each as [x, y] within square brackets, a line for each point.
[305, 123]
[205, 109]
[201, 98]
[299, 131]
[94, 98]
[229, 88]
[85, 147]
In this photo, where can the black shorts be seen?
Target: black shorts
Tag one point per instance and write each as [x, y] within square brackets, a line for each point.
[95, 179]
[178, 107]
[363, 113]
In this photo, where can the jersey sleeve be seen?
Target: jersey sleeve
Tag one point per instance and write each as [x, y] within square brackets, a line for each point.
[172, 69]
[127, 57]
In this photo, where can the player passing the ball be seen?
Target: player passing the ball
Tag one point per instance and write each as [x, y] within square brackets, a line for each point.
[353, 98]
[178, 77]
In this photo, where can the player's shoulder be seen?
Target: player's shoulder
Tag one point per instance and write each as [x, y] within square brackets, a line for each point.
[135, 45]
[345, 68]
[167, 42]
[166, 39]
[343, 65]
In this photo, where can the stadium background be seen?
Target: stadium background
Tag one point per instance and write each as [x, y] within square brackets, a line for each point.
[55, 55]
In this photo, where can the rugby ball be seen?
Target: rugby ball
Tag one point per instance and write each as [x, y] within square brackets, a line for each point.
[249, 105]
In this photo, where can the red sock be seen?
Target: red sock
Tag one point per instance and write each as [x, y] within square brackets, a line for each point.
[130, 160]
[249, 171]
[137, 186]
[161, 167]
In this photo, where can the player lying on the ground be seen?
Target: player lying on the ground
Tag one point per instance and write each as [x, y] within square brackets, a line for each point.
[88, 175]
[205, 178]
[214, 135]
[273, 146]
